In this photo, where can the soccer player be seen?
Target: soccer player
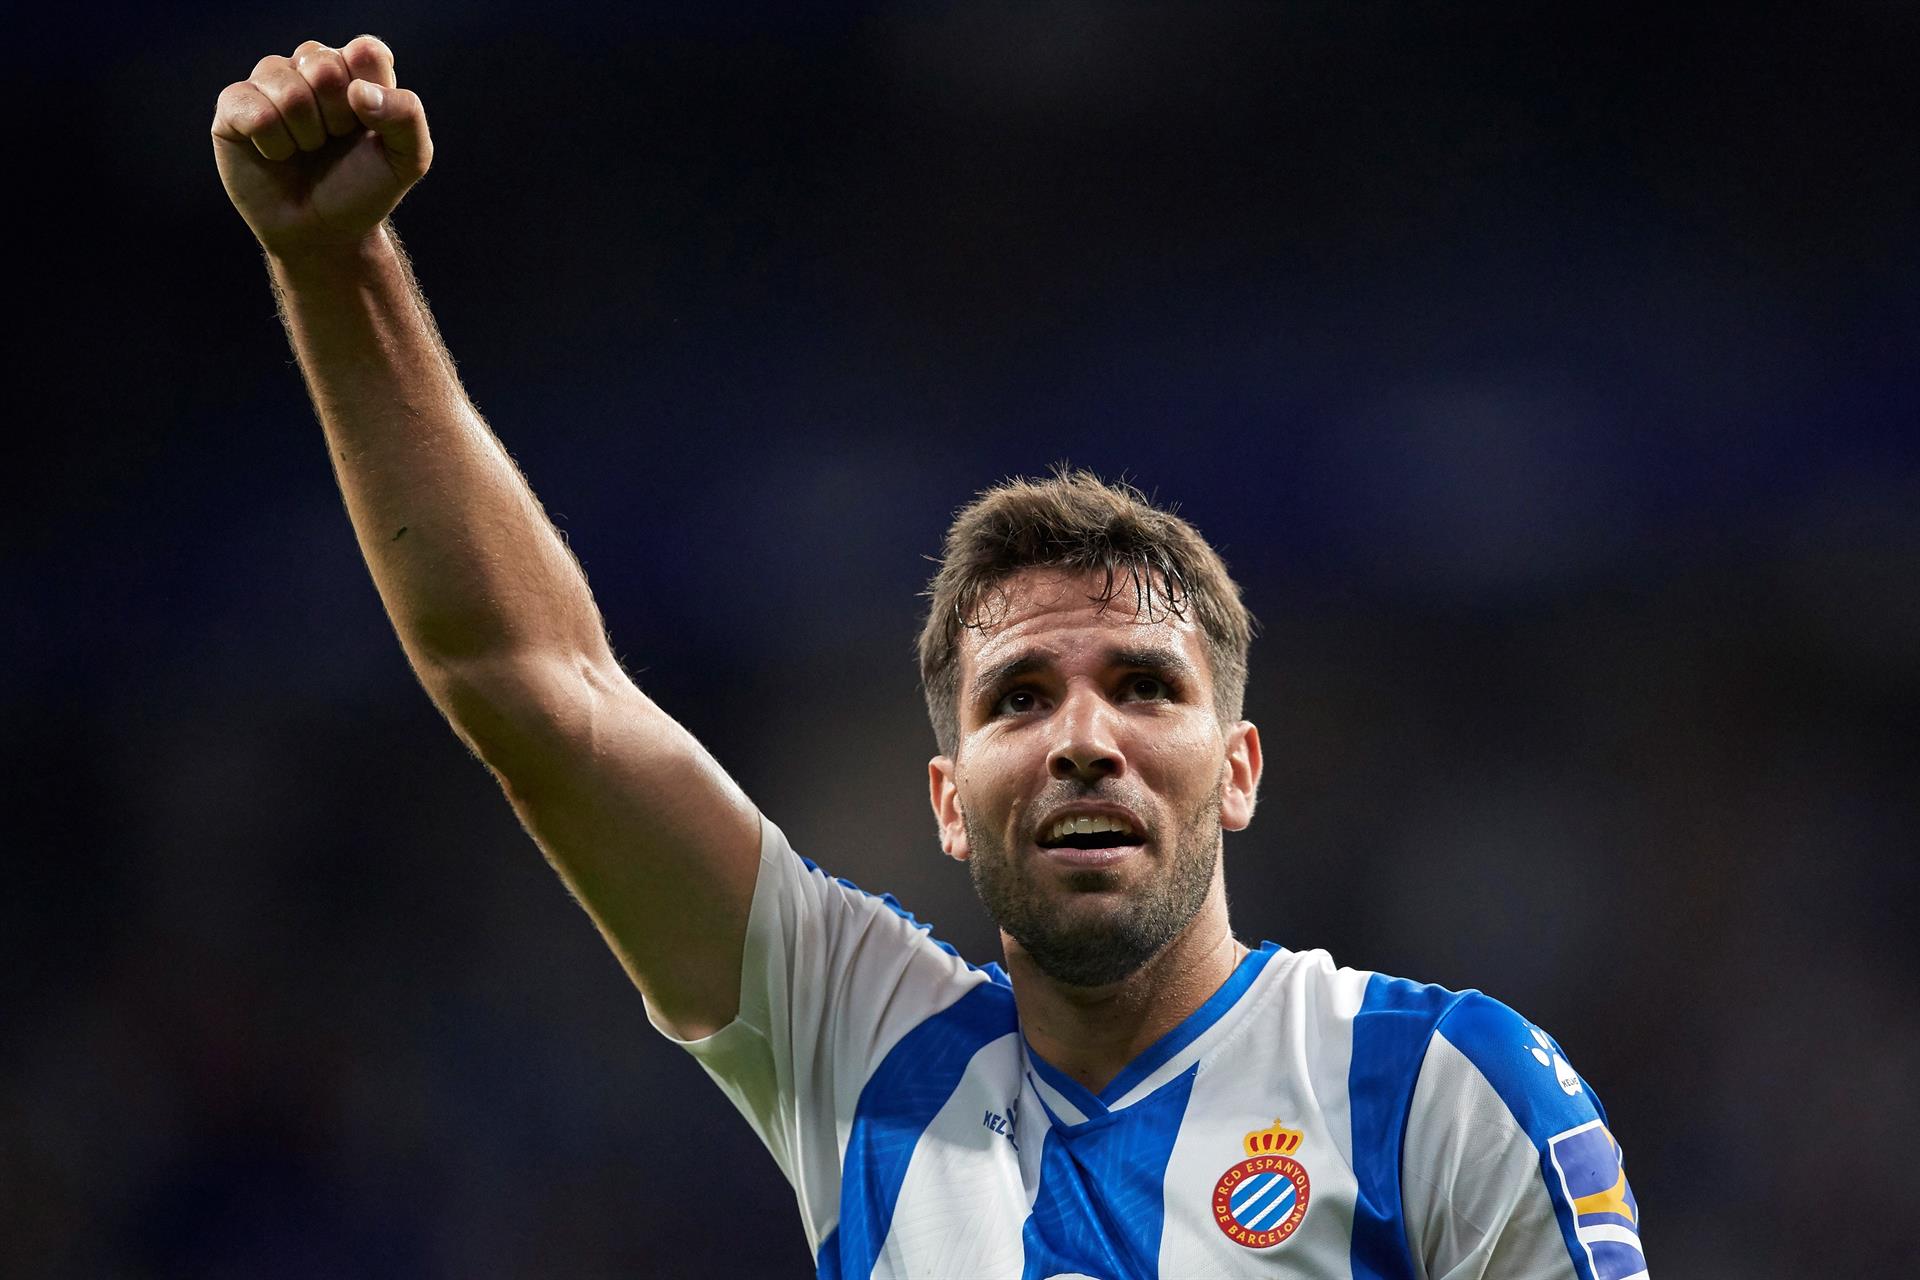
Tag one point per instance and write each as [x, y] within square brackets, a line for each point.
[1136, 1093]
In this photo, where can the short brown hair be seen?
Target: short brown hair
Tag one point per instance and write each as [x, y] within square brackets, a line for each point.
[1075, 521]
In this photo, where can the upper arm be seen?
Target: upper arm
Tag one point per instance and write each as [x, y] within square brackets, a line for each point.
[1509, 1171]
[650, 834]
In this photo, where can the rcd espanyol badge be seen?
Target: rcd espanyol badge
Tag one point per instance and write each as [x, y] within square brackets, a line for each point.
[1262, 1200]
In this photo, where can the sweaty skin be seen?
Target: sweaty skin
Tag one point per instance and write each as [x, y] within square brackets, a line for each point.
[1068, 706]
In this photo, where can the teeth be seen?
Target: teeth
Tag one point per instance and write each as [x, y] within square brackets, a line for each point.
[1087, 827]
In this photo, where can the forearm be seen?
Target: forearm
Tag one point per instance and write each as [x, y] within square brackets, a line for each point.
[468, 565]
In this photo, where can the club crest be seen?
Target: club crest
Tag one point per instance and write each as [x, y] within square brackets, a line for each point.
[1263, 1199]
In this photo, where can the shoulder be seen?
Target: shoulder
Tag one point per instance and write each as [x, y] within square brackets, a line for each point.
[1524, 1066]
[1399, 1027]
[1388, 1022]
[829, 962]
[881, 918]
[1454, 1046]
[1500, 1147]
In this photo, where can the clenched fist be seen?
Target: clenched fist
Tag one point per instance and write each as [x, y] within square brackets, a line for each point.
[316, 149]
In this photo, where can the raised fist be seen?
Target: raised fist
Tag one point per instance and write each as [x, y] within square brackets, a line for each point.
[316, 149]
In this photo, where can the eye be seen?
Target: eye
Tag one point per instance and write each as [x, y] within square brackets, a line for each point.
[1016, 702]
[1146, 689]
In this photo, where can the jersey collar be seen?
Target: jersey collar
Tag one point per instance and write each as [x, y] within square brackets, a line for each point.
[1069, 1103]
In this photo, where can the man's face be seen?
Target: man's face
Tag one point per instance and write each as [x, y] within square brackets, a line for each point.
[1092, 777]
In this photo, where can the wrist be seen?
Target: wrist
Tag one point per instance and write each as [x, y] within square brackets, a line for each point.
[332, 260]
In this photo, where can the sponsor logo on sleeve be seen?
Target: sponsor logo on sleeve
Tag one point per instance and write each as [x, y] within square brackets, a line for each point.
[1606, 1218]
[1263, 1199]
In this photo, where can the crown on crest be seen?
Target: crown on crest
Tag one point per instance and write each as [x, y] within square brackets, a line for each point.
[1275, 1141]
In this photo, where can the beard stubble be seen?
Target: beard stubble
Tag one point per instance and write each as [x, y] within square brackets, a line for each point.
[1094, 948]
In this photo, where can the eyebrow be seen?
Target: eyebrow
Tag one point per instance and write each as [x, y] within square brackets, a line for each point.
[1161, 662]
[1004, 673]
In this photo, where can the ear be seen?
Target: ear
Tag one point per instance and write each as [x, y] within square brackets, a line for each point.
[1243, 776]
[944, 790]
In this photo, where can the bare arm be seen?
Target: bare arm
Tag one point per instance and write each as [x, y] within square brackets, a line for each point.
[490, 606]
[469, 567]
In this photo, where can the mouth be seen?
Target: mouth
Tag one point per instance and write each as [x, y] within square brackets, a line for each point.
[1086, 837]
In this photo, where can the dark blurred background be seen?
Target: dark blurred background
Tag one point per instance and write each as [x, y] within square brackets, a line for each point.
[1547, 377]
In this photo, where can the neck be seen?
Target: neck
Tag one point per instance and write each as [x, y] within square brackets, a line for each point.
[1092, 1033]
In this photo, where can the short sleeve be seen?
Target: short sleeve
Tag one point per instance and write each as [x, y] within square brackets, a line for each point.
[1509, 1171]
[831, 979]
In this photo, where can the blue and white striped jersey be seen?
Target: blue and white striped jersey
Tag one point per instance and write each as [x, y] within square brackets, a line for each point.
[1306, 1121]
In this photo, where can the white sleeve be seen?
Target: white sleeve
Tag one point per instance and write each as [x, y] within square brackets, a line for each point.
[831, 979]
[1471, 1181]
[1508, 1171]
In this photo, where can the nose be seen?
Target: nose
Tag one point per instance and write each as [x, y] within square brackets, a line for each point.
[1088, 746]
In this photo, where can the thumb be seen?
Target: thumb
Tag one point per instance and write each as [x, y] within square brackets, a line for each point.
[397, 116]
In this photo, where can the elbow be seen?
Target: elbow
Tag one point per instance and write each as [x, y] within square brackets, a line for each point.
[512, 711]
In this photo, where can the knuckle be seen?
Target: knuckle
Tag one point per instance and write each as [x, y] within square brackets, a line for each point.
[269, 66]
[257, 120]
[291, 95]
[326, 71]
[369, 50]
[244, 107]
